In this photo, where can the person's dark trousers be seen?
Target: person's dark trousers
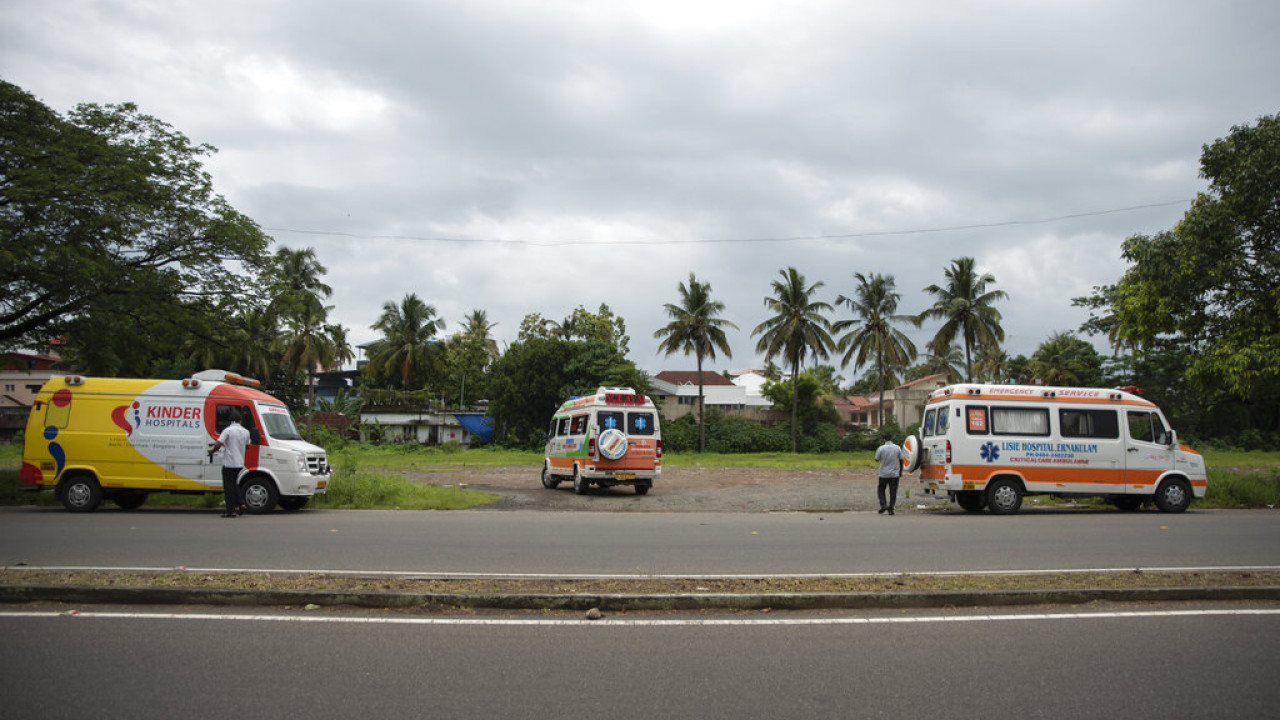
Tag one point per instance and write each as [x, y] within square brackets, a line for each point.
[230, 490]
[892, 484]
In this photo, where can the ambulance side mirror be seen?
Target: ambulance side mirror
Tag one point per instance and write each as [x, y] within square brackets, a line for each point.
[255, 436]
[1173, 438]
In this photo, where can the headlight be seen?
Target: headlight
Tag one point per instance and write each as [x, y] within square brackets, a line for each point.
[302, 462]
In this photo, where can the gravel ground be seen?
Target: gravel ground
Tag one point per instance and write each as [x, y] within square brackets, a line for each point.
[691, 489]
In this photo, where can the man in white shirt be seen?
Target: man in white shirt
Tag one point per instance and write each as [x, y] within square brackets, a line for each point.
[889, 456]
[235, 438]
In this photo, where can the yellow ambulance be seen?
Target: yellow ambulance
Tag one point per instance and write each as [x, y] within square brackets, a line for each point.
[94, 439]
[988, 446]
[608, 438]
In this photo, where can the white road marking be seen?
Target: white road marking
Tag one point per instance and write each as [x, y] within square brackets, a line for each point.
[637, 622]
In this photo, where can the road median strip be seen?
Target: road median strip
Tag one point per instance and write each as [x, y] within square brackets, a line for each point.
[181, 587]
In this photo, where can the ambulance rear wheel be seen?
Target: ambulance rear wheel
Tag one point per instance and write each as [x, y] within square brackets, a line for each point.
[970, 500]
[81, 493]
[129, 500]
[1004, 497]
[642, 489]
[259, 495]
[1174, 496]
[579, 483]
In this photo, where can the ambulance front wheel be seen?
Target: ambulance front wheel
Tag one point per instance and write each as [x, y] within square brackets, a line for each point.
[1174, 496]
[1004, 497]
[81, 493]
[549, 481]
[259, 495]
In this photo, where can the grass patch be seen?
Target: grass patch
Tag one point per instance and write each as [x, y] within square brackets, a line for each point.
[351, 489]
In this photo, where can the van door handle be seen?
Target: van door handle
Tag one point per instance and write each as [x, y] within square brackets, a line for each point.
[1133, 449]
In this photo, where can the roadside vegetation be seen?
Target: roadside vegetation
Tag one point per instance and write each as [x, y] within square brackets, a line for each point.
[373, 477]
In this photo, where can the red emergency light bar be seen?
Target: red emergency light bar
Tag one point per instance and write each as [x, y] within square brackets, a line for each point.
[624, 398]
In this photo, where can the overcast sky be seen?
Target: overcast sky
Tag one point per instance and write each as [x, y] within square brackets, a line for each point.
[522, 156]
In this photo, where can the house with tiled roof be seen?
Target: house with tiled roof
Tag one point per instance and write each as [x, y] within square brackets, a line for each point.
[675, 392]
[21, 377]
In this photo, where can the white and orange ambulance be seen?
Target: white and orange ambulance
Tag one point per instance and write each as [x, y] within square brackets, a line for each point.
[988, 446]
[92, 439]
[606, 439]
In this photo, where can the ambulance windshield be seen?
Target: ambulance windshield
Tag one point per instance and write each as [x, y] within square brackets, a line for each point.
[278, 423]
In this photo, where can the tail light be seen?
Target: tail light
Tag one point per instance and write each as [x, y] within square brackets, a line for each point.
[591, 449]
[658, 450]
[948, 452]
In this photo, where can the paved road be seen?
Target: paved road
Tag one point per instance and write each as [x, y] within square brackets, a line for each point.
[638, 543]
[1050, 663]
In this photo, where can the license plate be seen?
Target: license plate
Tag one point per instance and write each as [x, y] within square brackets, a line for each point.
[970, 485]
[624, 476]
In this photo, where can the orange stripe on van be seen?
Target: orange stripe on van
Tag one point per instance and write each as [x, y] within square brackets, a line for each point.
[1058, 475]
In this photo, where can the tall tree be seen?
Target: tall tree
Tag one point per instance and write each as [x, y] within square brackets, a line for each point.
[293, 277]
[695, 329]
[871, 332]
[1065, 360]
[110, 211]
[307, 342]
[1211, 284]
[967, 310]
[408, 331]
[798, 328]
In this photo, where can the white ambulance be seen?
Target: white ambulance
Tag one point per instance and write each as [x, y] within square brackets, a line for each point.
[988, 446]
[606, 439]
[91, 439]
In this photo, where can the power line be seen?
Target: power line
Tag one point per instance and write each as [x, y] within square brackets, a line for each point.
[709, 241]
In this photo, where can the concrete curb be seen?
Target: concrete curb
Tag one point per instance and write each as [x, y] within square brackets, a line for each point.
[618, 602]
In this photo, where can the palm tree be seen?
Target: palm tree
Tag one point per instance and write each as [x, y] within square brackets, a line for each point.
[966, 309]
[307, 342]
[407, 331]
[694, 328]
[871, 332]
[941, 361]
[479, 331]
[993, 363]
[294, 274]
[798, 328]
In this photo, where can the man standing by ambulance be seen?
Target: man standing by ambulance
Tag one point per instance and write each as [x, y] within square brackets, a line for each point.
[235, 438]
[889, 455]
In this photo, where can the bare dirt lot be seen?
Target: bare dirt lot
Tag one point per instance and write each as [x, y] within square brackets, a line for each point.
[690, 489]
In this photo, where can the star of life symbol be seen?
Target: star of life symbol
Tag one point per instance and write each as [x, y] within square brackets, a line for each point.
[990, 452]
[641, 423]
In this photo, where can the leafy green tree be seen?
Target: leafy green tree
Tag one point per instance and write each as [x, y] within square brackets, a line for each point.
[797, 329]
[1211, 284]
[469, 356]
[696, 330]
[406, 349]
[1066, 360]
[111, 235]
[813, 407]
[967, 310]
[534, 376]
[602, 325]
[871, 333]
